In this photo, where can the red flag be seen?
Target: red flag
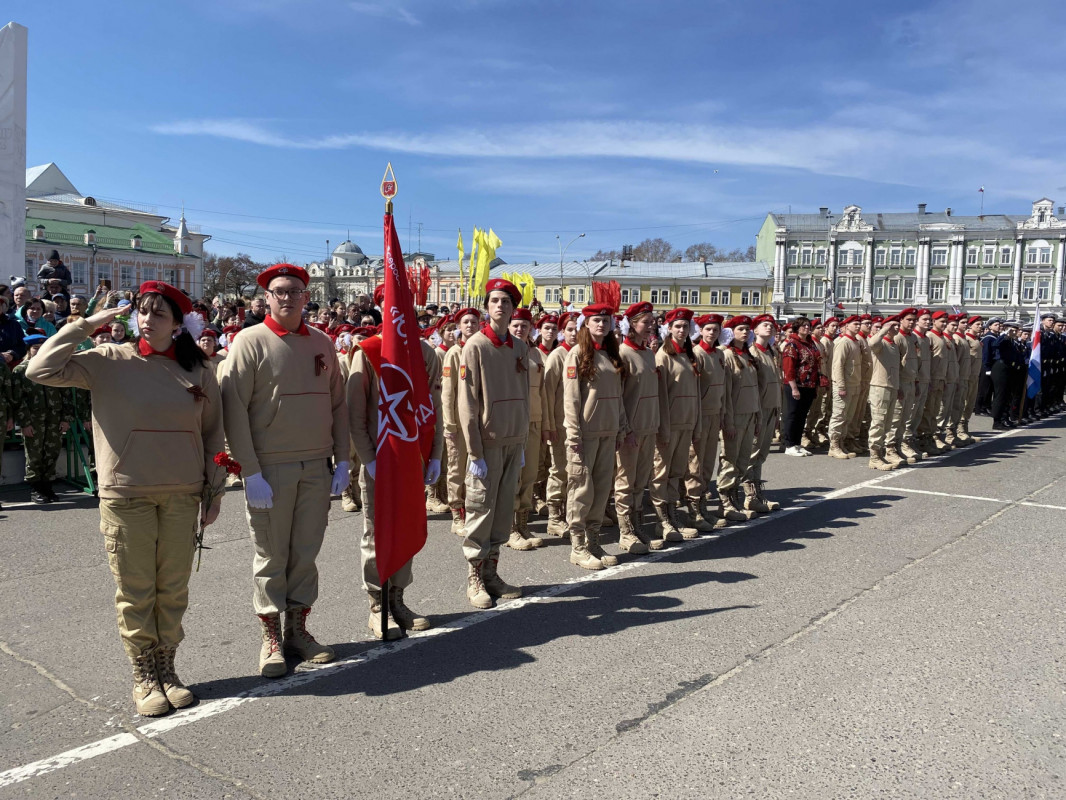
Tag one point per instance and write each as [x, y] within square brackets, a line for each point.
[405, 421]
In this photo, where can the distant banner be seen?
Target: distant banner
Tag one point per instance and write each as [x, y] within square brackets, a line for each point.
[13, 38]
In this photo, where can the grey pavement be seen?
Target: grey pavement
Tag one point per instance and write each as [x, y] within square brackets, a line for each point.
[886, 635]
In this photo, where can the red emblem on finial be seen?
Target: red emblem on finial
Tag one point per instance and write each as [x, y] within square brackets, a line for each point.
[388, 183]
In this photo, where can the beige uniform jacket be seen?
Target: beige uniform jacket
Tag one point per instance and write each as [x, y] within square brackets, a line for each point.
[847, 363]
[939, 347]
[925, 356]
[593, 408]
[962, 353]
[362, 394]
[681, 412]
[553, 389]
[493, 393]
[908, 357]
[538, 400]
[450, 388]
[713, 380]
[974, 344]
[769, 375]
[886, 361]
[827, 356]
[743, 383]
[866, 360]
[643, 391]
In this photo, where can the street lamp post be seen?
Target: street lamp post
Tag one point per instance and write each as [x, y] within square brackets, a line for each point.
[563, 250]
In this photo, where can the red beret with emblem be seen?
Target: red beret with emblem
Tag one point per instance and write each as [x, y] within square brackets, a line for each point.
[849, 320]
[708, 319]
[679, 313]
[941, 314]
[889, 320]
[923, 312]
[379, 294]
[907, 311]
[209, 332]
[764, 318]
[523, 314]
[973, 319]
[598, 310]
[102, 330]
[231, 329]
[502, 285]
[364, 330]
[866, 318]
[816, 322]
[183, 303]
[290, 270]
[548, 319]
[739, 319]
[566, 318]
[344, 328]
[639, 308]
[462, 312]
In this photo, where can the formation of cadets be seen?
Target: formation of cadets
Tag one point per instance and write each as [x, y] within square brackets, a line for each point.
[583, 415]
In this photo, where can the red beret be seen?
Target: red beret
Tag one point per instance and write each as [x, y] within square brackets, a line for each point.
[550, 319]
[866, 318]
[852, 318]
[231, 329]
[501, 285]
[566, 317]
[379, 294]
[678, 313]
[209, 332]
[877, 319]
[293, 271]
[739, 319]
[598, 310]
[907, 311]
[890, 320]
[707, 319]
[941, 314]
[364, 330]
[816, 322]
[183, 303]
[922, 312]
[764, 318]
[523, 314]
[973, 319]
[462, 312]
[344, 328]
[102, 329]
[639, 308]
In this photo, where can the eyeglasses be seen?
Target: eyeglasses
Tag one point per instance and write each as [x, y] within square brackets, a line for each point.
[282, 294]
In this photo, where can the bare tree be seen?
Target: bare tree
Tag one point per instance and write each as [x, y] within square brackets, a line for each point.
[226, 275]
[702, 251]
[606, 255]
[656, 250]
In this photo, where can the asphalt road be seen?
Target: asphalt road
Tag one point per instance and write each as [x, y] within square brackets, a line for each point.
[886, 635]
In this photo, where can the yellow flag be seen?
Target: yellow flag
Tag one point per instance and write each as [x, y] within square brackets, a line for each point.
[485, 254]
[475, 238]
[459, 246]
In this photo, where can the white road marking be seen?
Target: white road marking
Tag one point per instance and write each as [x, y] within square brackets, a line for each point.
[976, 497]
[213, 708]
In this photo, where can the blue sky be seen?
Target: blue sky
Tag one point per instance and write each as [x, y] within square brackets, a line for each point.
[273, 119]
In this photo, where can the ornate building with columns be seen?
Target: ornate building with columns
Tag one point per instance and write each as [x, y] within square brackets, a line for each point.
[882, 262]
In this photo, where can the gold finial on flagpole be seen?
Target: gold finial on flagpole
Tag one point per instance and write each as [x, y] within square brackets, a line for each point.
[388, 187]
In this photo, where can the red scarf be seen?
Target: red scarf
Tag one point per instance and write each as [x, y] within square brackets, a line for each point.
[146, 350]
[496, 341]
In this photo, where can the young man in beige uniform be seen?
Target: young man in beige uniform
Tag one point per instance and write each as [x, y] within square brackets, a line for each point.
[285, 416]
[765, 357]
[469, 320]
[885, 391]
[973, 343]
[521, 538]
[740, 433]
[938, 373]
[916, 430]
[554, 365]
[825, 416]
[494, 419]
[717, 413]
[962, 385]
[847, 383]
[857, 430]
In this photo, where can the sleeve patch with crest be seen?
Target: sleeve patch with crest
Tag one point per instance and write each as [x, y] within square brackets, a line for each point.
[447, 372]
[462, 372]
[571, 372]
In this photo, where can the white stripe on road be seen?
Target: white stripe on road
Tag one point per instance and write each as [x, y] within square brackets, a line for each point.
[976, 497]
[213, 708]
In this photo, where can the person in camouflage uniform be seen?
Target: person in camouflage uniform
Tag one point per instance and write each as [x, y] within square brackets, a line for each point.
[44, 414]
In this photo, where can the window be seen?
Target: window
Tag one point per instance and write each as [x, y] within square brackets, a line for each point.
[1030, 256]
[988, 288]
[147, 274]
[1005, 256]
[745, 298]
[683, 298]
[625, 296]
[989, 256]
[819, 258]
[940, 258]
[856, 257]
[664, 296]
[806, 258]
[805, 286]
[725, 297]
[969, 286]
[856, 288]
[911, 258]
[1043, 289]
[712, 297]
[936, 291]
[694, 297]
[790, 289]
[79, 270]
[908, 289]
[1003, 289]
[451, 295]
[573, 296]
[1028, 288]
[31, 271]
[893, 290]
[171, 276]
[842, 288]
[125, 280]
[792, 258]
[879, 258]
[581, 295]
[896, 257]
[879, 288]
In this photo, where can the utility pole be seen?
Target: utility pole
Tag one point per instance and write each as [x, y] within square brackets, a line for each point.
[419, 237]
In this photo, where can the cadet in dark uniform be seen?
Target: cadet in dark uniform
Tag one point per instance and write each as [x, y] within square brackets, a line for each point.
[989, 341]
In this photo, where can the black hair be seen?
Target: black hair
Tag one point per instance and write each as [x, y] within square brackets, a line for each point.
[186, 351]
[799, 322]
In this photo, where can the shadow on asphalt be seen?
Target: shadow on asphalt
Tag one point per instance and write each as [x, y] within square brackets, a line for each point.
[1010, 447]
[595, 608]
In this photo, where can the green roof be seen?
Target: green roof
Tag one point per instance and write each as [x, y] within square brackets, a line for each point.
[108, 237]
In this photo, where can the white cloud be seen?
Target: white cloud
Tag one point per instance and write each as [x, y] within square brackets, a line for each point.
[385, 9]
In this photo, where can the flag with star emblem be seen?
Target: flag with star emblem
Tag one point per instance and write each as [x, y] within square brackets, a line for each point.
[406, 418]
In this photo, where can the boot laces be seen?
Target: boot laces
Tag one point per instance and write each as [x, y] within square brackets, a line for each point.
[271, 632]
[300, 625]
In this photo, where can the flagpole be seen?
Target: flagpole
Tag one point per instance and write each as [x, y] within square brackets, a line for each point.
[388, 190]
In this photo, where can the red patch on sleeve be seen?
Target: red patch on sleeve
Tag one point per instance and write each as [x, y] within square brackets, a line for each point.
[447, 372]
[571, 372]
[462, 372]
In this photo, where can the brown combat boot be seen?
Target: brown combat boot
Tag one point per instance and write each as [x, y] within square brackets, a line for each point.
[494, 584]
[941, 445]
[693, 518]
[752, 501]
[148, 695]
[407, 619]
[271, 660]
[350, 498]
[373, 623]
[434, 504]
[641, 532]
[521, 525]
[580, 555]
[730, 512]
[556, 520]
[475, 587]
[610, 516]
[893, 457]
[738, 504]
[592, 542]
[176, 691]
[667, 529]
[300, 642]
[836, 451]
[770, 504]
[909, 452]
[627, 537]
[458, 522]
[878, 462]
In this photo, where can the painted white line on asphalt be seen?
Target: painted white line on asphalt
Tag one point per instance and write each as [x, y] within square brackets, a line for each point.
[946, 494]
[213, 708]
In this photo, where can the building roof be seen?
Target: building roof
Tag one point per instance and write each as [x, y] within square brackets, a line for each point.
[679, 270]
[60, 232]
[48, 179]
[902, 221]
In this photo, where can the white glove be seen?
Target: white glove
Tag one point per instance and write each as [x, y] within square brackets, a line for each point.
[432, 471]
[342, 476]
[258, 492]
[478, 468]
[370, 469]
[522, 463]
